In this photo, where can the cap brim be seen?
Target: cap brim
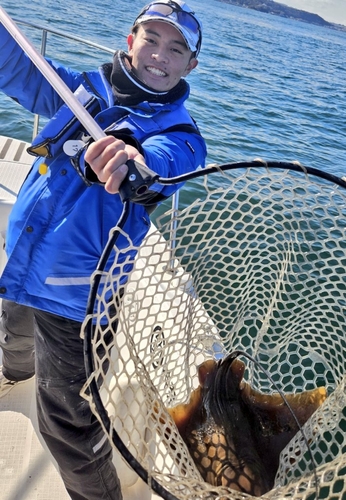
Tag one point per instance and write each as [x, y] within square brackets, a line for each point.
[184, 33]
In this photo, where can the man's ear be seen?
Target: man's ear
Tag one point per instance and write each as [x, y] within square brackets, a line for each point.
[192, 65]
[130, 39]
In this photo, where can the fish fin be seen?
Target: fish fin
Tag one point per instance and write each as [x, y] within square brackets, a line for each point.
[205, 370]
[182, 414]
[274, 413]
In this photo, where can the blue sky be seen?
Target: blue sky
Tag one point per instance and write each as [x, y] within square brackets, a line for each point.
[333, 11]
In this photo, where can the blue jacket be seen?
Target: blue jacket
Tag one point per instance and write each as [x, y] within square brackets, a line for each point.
[59, 225]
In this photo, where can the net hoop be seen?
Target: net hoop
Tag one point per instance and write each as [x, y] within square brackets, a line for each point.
[299, 190]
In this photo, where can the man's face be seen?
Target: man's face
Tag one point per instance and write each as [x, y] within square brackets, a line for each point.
[160, 56]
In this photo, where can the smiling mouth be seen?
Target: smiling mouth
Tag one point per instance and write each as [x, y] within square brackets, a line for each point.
[156, 71]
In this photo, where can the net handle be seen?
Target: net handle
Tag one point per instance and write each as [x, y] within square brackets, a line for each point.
[139, 183]
[283, 165]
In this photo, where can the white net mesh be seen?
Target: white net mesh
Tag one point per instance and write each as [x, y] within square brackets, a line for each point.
[259, 265]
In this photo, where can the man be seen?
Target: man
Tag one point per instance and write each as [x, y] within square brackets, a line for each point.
[68, 204]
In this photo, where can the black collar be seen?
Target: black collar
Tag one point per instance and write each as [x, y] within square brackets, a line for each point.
[130, 91]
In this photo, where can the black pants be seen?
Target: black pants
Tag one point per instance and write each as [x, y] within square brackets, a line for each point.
[71, 431]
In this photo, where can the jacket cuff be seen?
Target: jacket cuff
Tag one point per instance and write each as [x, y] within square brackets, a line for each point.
[128, 139]
[83, 169]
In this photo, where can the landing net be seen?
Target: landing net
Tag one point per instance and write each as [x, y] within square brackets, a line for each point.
[258, 265]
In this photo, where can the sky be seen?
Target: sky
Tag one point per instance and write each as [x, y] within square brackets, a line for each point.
[333, 11]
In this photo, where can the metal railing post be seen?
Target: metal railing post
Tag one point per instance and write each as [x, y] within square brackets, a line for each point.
[43, 51]
[173, 237]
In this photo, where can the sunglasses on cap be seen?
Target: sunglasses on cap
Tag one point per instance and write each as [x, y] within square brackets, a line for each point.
[184, 18]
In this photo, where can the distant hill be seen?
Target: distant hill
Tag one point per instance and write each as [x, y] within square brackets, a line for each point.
[279, 9]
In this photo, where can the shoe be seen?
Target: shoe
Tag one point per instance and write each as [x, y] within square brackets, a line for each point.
[6, 385]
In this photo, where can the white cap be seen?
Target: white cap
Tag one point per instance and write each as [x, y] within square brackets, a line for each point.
[179, 15]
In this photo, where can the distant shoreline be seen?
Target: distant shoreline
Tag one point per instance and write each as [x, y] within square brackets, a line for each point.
[282, 10]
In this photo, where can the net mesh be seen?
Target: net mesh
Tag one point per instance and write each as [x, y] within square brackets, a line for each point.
[258, 265]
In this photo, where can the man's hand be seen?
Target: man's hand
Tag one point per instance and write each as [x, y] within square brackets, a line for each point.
[107, 157]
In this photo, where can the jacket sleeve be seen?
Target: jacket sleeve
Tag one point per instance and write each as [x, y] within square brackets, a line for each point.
[22, 81]
[173, 154]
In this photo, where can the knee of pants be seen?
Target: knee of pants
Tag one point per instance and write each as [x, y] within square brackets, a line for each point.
[16, 327]
[11, 341]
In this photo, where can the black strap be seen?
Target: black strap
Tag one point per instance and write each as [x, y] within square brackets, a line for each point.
[183, 127]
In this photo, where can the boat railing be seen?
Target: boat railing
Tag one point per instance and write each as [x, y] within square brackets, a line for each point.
[44, 42]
